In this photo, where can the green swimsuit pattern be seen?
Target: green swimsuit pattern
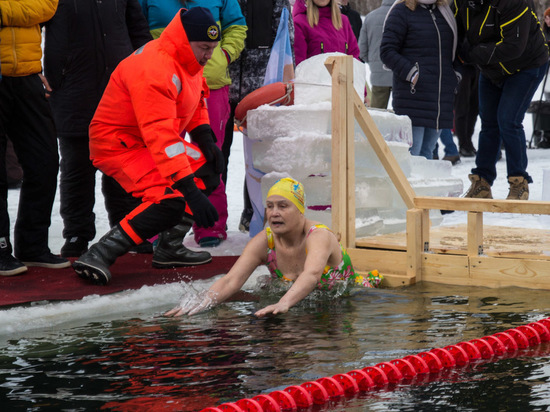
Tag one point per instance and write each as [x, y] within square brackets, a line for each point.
[330, 275]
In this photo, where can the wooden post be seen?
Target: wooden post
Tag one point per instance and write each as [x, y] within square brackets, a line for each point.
[343, 149]
[475, 234]
[415, 244]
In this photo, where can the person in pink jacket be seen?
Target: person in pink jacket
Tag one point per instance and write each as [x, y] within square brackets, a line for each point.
[321, 28]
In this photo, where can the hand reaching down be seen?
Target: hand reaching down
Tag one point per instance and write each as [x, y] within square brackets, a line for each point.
[274, 309]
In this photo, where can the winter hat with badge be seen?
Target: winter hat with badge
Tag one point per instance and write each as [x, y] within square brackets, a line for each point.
[199, 24]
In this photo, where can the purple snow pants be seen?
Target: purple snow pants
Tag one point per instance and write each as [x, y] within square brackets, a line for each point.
[218, 111]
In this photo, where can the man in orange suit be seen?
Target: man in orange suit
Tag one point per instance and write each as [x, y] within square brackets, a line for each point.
[135, 136]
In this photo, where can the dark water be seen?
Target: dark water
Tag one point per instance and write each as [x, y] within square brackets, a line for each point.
[149, 362]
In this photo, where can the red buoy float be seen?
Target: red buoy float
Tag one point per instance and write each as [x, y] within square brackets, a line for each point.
[270, 94]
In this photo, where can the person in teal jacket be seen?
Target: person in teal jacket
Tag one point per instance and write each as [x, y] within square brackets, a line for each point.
[229, 17]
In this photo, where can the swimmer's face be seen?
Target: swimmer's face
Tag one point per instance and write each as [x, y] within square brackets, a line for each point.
[282, 214]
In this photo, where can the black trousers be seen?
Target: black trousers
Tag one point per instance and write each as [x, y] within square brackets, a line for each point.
[466, 107]
[26, 119]
[226, 149]
[77, 191]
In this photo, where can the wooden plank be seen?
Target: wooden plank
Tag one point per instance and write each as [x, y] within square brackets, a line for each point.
[497, 241]
[383, 152]
[343, 149]
[483, 205]
[339, 154]
[447, 269]
[475, 233]
[365, 260]
[426, 225]
[350, 154]
[415, 244]
[499, 272]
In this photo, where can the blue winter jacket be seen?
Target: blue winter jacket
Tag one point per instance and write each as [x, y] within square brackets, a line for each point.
[420, 40]
[227, 14]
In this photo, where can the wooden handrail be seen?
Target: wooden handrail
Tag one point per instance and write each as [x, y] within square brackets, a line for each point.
[483, 205]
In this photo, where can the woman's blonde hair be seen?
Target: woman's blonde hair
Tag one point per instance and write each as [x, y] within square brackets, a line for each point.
[411, 4]
[313, 14]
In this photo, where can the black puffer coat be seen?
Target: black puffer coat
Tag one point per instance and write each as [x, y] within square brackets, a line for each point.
[420, 40]
[248, 71]
[85, 41]
[502, 37]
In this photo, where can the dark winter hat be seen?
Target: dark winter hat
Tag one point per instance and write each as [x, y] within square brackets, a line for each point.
[199, 24]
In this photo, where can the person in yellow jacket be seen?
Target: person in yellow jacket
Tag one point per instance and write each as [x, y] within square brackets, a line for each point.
[26, 119]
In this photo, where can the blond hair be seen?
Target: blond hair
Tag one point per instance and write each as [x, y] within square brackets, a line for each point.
[313, 14]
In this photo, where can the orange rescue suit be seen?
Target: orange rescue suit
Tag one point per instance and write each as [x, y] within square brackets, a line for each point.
[152, 97]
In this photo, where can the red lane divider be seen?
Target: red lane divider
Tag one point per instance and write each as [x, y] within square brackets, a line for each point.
[373, 377]
[318, 393]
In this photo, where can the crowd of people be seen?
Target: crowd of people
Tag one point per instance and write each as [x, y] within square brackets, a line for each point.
[145, 91]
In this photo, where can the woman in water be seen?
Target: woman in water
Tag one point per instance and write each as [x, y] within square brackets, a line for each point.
[294, 248]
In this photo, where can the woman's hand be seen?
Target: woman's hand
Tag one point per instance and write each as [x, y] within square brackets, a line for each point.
[191, 308]
[273, 309]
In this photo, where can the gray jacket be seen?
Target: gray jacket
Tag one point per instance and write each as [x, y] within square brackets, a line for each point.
[369, 44]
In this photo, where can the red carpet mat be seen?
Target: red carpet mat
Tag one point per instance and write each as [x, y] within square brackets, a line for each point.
[131, 271]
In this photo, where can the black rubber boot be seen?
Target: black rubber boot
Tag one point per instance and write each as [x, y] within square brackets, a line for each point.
[171, 253]
[94, 264]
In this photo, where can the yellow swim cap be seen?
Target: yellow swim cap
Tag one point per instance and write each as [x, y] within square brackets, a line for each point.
[290, 189]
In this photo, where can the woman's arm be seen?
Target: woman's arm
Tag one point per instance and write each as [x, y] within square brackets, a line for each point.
[254, 254]
[319, 245]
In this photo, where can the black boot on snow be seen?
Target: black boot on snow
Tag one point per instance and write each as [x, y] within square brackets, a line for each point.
[171, 253]
[94, 264]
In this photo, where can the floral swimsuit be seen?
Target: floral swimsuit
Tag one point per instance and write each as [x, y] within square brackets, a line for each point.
[330, 274]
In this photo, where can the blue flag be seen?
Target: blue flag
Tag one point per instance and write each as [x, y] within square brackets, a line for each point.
[280, 60]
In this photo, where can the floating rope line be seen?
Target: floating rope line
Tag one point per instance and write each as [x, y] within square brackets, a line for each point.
[373, 377]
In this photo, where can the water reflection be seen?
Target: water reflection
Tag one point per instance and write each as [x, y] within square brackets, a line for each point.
[152, 362]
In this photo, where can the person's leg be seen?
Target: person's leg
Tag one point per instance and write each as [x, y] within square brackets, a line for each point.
[9, 265]
[466, 110]
[118, 202]
[451, 151]
[253, 179]
[490, 97]
[218, 112]
[246, 215]
[228, 140]
[435, 153]
[162, 208]
[13, 168]
[34, 138]
[418, 137]
[517, 92]
[77, 195]
[429, 141]
[5, 116]
[473, 112]
[380, 97]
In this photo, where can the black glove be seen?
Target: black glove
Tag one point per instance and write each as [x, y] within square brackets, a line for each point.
[204, 213]
[205, 138]
[210, 178]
